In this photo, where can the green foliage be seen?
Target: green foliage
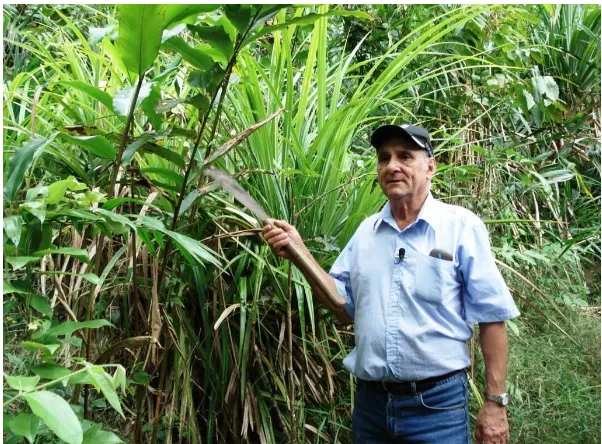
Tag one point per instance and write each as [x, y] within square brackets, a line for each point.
[140, 30]
[56, 414]
[109, 219]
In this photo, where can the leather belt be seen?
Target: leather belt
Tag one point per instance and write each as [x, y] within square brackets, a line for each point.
[405, 388]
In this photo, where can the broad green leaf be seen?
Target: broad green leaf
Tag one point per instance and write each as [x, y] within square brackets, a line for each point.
[48, 370]
[103, 382]
[107, 47]
[113, 203]
[195, 56]
[20, 162]
[57, 415]
[34, 346]
[22, 383]
[208, 80]
[215, 54]
[528, 101]
[80, 378]
[12, 227]
[167, 34]
[117, 218]
[97, 145]
[38, 209]
[94, 435]
[200, 102]
[546, 85]
[141, 378]
[177, 13]
[19, 262]
[93, 91]
[123, 98]
[140, 30]
[172, 156]
[41, 304]
[25, 425]
[217, 37]
[120, 379]
[170, 175]
[148, 106]
[90, 197]
[78, 253]
[265, 13]
[166, 105]
[306, 20]
[91, 277]
[57, 190]
[15, 439]
[69, 327]
[83, 215]
[189, 200]
[8, 288]
[130, 150]
[239, 16]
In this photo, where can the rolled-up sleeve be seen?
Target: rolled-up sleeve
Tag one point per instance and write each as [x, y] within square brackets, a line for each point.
[341, 273]
[486, 295]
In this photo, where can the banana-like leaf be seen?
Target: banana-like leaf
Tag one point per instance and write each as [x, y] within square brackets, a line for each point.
[140, 31]
[57, 415]
[177, 13]
[20, 163]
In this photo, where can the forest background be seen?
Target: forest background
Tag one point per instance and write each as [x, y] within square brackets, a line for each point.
[139, 303]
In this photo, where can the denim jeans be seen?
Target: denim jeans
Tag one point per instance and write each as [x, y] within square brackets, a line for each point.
[438, 415]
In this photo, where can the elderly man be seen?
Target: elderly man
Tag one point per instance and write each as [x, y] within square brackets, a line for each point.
[413, 279]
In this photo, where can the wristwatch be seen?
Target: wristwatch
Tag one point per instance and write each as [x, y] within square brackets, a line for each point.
[502, 399]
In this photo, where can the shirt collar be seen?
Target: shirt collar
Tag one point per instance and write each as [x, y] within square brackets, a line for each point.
[428, 213]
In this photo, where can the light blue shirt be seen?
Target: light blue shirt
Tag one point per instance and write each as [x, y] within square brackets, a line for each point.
[412, 317]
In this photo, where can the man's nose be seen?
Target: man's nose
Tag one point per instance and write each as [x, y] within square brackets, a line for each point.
[394, 165]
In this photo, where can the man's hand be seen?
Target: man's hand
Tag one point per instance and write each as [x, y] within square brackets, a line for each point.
[492, 425]
[279, 235]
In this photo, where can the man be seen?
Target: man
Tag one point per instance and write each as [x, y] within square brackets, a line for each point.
[413, 279]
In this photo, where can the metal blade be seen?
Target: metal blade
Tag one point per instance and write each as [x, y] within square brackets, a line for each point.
[230, 184]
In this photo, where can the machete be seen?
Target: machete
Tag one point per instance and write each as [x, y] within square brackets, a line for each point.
[299, 257]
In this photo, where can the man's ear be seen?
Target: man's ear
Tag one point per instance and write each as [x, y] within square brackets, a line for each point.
[431, 168]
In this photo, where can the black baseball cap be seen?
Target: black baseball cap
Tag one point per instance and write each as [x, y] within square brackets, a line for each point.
[416, 134]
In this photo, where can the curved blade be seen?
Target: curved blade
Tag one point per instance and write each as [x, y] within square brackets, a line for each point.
[230, 184]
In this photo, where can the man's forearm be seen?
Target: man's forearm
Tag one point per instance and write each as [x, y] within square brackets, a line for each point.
[494, 343]
[337, 309]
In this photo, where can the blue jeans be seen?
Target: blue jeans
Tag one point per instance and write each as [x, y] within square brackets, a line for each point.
[438, 415]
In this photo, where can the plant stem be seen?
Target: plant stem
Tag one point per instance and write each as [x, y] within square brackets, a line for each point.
[291, 379]
[124, 136]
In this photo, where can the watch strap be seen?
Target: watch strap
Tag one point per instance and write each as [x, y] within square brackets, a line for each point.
[502, 399]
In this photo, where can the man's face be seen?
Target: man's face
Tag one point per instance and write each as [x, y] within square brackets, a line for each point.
[404, 170]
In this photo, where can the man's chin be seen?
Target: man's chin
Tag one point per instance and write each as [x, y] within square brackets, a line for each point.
[397, 194]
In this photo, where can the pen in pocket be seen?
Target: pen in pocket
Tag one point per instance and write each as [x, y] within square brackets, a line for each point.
[441, 254]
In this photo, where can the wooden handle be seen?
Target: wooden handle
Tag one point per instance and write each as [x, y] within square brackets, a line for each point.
[308, 268]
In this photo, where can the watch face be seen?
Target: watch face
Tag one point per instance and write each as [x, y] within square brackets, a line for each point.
[505, 399]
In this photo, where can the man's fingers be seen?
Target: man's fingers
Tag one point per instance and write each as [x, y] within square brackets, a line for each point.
[283, 224]
[478, 434]
[272, 233]
[280, 244]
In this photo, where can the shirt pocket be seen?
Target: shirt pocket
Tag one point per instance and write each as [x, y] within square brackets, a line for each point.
[434, 278]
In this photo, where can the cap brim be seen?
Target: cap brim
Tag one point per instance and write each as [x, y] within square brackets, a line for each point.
[387, 132]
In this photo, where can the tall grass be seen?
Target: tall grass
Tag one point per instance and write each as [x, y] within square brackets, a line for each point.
[230, 346]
